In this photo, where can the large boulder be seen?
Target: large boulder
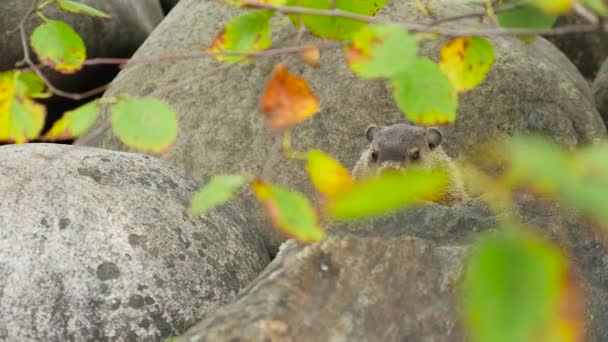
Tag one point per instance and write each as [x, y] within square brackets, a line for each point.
[346, 289]
[586, 50]
[600, 90]
[395, 278]
[532, 88]
[97, 245]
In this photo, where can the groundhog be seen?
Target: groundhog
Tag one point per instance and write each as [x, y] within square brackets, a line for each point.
[404, 144]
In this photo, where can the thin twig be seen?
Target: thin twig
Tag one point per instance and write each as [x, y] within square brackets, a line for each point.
[199, 55]
[479, 14]
[147, 60]
[587, 14]
[85, 140]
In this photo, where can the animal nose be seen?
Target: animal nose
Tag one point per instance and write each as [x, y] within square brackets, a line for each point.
[391, 157]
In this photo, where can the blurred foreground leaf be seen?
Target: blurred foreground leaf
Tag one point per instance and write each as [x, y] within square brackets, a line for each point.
[516, 287]
[389, 191]
[327, 175]
[579, 179]
[220, 189]
[290, 212]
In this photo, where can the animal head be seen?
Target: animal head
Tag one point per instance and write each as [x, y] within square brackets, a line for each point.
[400, 145]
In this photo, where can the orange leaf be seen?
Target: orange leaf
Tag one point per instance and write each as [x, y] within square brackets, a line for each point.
[569, 323]
[218, 43]
[287, 99]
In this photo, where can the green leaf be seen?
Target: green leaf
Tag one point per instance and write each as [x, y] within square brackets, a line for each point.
[27, 120]
[390, 191]
[290, 212]
[424, 93]
[219, 190]
[466, 61]
[511, 287]
[21, 119]
[380, 51]
[526, 17]
[29, 84]
[578, 181]
[145, 124]
[249, 32]
[597, 6]
[74, 123]
[333, 27]
[80, 8]
[59, 46]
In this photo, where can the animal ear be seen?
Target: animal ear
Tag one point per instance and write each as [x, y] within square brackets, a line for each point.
[371, 131]
[433, 137]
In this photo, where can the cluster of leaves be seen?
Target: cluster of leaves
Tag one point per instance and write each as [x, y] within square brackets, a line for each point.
[425, 91]
[516, 283]
[517, 286]
[146, 124]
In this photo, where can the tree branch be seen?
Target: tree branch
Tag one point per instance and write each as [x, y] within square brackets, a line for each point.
[479, 14]
[423, 28]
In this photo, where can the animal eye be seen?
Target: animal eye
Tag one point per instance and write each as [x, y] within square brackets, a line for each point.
[375, 156]
[415, 155]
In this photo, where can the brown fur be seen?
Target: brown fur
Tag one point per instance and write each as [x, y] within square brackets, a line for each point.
[397, 146]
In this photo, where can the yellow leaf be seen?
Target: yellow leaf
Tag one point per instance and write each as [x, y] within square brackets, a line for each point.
[466, 61]
[287, 99]
[21, 119]
[554, 6]
[328, 176]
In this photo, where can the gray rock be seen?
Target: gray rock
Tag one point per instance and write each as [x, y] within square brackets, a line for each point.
[532, 88]
[586, 50]
[395, 278]
[131, 23]
[97, 245]
[600, 90]
[346, 289]
[168, 4]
